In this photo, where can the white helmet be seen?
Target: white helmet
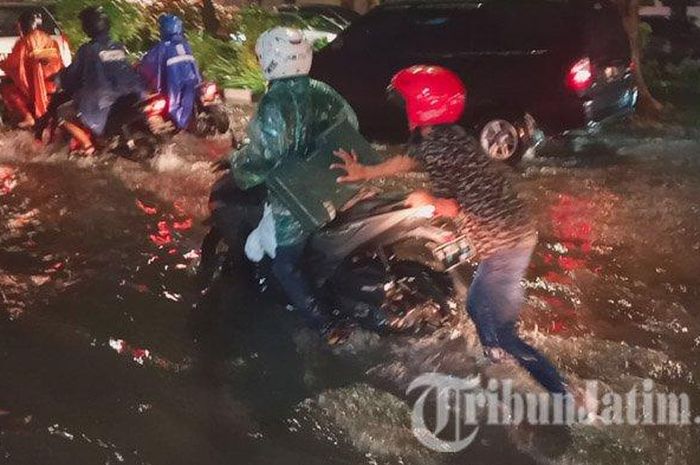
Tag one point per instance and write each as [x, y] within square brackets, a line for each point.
[283, 52]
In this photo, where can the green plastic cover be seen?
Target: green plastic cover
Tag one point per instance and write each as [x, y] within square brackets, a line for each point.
[308, 188]
[290, 117]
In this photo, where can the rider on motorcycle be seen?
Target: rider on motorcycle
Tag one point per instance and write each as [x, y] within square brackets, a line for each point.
[98, 77]
[31, 66]
[170, 69]
[469, 185]
[291, 115]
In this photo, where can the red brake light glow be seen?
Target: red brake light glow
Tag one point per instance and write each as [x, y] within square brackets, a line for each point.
[209, 91]
[580, 75]
[157, 106]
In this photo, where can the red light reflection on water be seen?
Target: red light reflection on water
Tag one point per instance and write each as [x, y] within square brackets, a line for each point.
[572, 233]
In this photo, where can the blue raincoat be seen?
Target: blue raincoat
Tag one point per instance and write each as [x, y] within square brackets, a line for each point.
[171, 70]
[99, 75]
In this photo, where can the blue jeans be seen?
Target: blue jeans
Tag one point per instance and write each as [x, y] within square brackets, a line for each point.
[494, 303]
[287, 270]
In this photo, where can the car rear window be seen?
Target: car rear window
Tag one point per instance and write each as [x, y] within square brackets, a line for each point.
[377, 30]
[10, 14]
[536, 28]
[484, 28]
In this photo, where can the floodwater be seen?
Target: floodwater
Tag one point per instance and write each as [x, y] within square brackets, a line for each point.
[109, 355]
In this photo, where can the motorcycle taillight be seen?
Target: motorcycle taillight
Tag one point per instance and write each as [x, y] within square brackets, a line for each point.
[156, 106]
[209, 92]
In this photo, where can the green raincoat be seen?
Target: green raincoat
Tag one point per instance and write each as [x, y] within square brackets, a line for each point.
[289, 119]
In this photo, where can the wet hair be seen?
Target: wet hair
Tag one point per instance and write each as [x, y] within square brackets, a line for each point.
[94, 21]
[29, 20]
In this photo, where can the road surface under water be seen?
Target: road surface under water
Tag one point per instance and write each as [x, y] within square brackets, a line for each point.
[109, 355]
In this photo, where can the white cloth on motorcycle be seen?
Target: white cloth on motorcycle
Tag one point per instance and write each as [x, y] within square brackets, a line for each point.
[262, 241]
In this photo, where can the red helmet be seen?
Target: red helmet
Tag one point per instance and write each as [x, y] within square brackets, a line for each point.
[432, 94]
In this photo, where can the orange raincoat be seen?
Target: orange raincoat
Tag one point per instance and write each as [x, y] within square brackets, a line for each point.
[34, 60]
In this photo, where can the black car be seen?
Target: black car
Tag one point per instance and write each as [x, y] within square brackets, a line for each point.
[529, 64]
[338, 15]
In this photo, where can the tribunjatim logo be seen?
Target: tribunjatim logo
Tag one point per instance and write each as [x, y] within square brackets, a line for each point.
[449, 411]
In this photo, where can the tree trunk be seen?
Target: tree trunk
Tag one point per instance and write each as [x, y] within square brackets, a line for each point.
[209, 19]
[629, 11]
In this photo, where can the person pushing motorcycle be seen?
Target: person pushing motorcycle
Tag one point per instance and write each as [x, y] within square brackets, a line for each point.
[470, 186]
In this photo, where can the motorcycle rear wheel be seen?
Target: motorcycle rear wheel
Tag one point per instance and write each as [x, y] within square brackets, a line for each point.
[140, 146]
[411, 296]
[210, 121]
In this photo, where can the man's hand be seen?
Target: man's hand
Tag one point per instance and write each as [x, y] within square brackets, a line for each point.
[443, 207]
[447, 207]
[355, 171]
[419, 198]
[224, 164]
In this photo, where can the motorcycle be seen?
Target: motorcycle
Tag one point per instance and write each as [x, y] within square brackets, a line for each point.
[127, 132]
[383, 266]
[210, 117]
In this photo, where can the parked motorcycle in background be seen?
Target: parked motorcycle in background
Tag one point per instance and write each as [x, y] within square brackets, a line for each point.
[128, 133]
[211, 118]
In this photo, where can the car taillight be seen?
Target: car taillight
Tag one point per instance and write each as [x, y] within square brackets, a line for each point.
[209, 91]
[156, 106]
[580, 75]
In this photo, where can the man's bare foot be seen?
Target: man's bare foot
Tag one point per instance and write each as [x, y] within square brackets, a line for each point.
[28, 122]
[496, 354]
[586, 404]
[338, 334]
[84, 152]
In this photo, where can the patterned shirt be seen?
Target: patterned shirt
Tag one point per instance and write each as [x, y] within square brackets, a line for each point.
[493, 217]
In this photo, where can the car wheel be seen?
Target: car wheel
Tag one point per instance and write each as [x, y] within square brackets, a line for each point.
[501, 140]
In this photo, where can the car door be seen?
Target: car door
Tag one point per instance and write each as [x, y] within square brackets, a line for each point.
[359, 65]
[515, 58]
[440, 36]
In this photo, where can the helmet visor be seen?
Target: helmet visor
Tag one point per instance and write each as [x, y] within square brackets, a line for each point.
[395, 98]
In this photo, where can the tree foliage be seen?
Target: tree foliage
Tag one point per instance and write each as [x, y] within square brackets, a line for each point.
[229, 62]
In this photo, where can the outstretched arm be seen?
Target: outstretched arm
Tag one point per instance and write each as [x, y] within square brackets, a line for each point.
[356, 171]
